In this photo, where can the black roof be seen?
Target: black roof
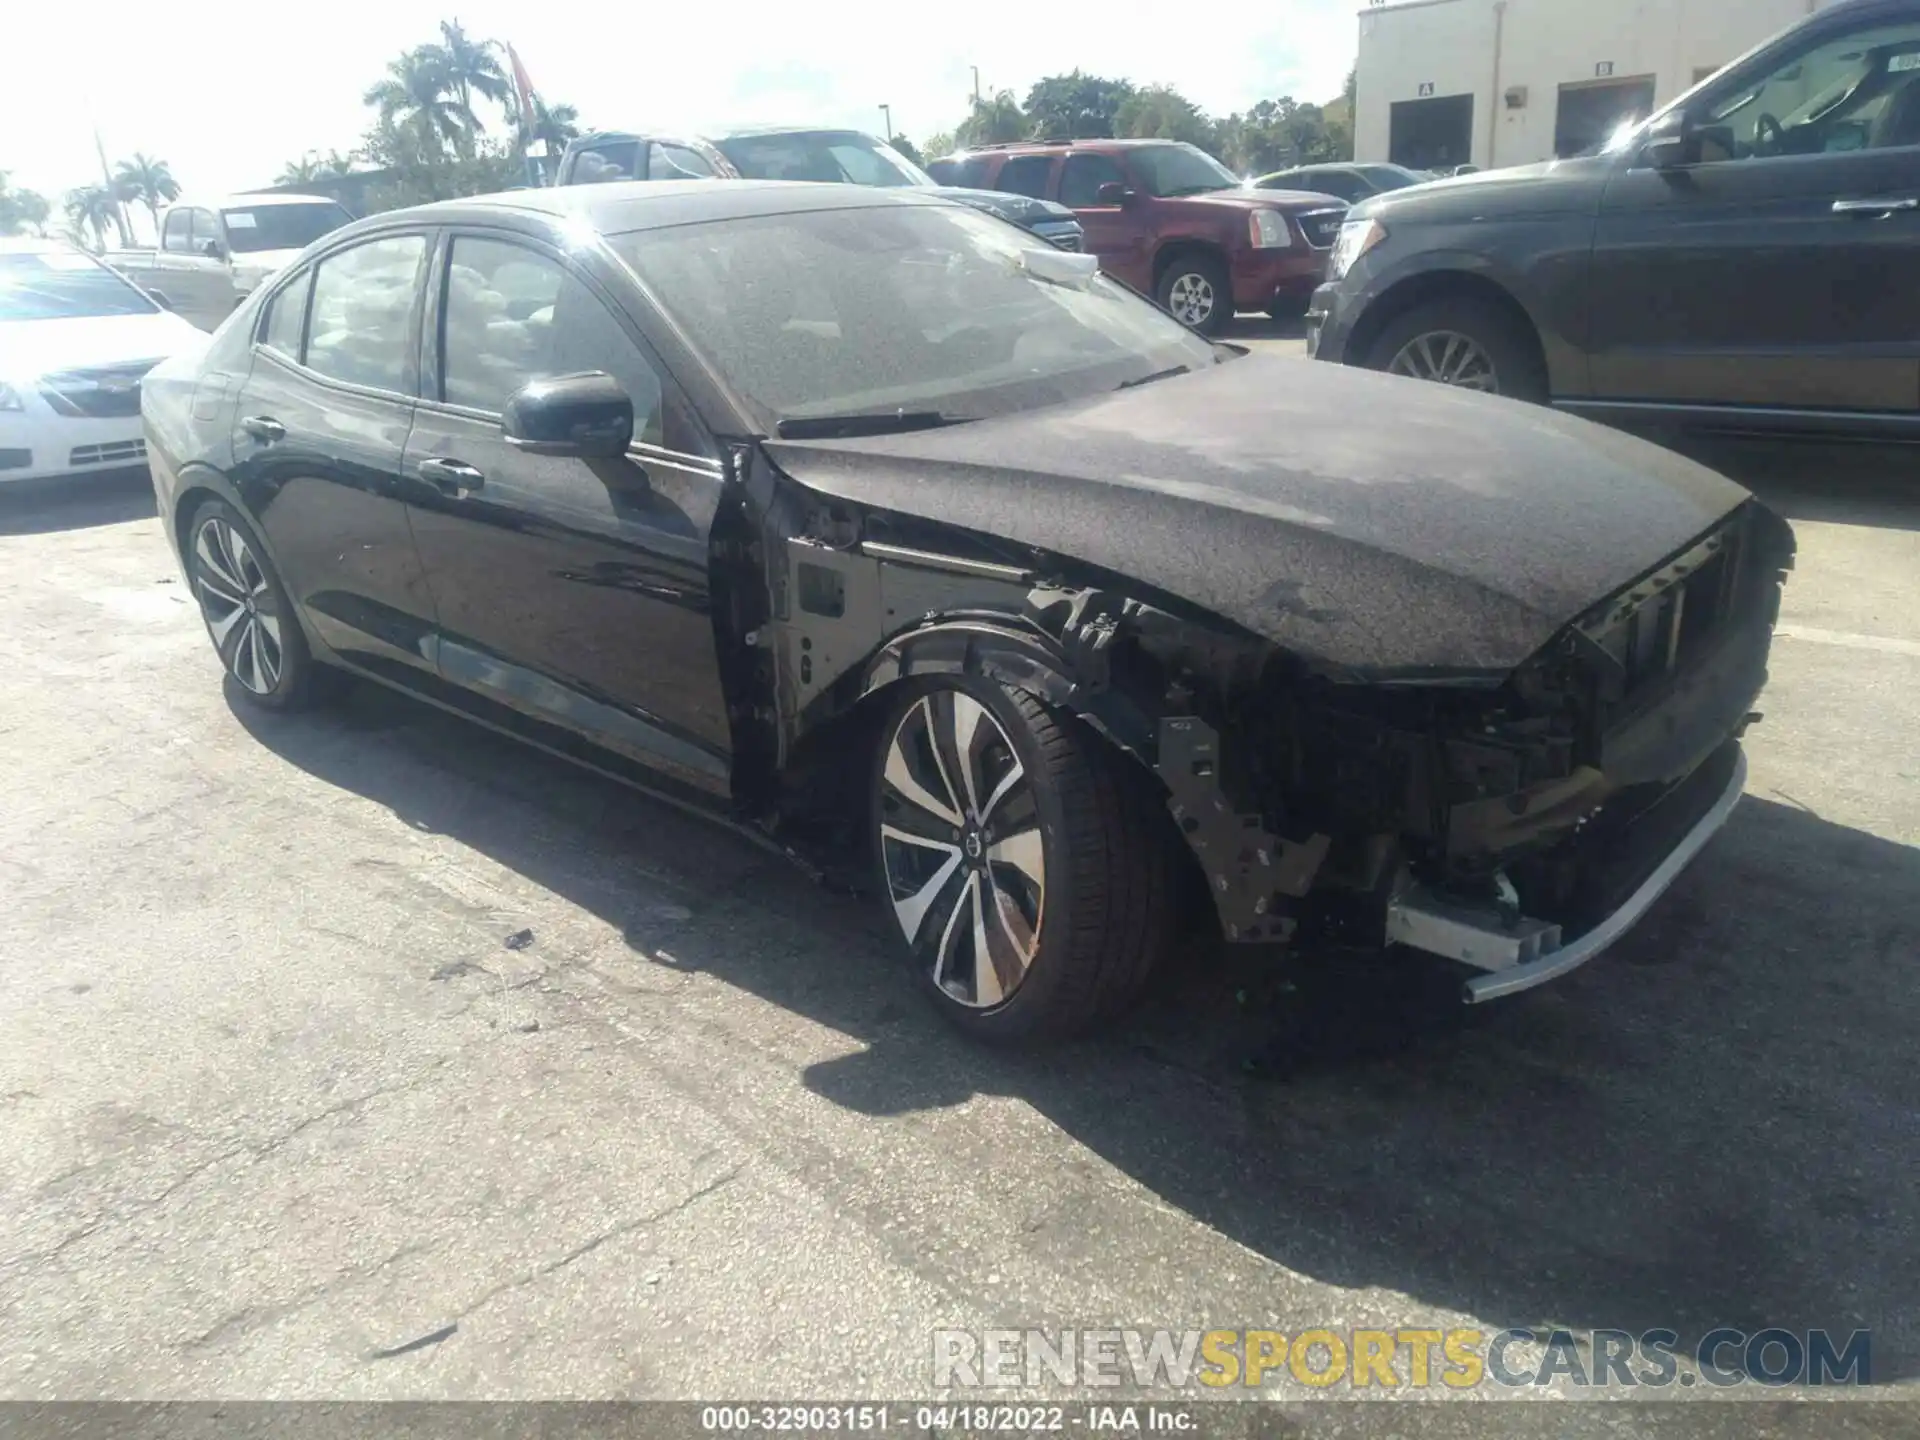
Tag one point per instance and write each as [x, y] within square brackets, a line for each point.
[628, 205]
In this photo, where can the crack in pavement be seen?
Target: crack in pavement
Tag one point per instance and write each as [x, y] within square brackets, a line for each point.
[257, 1149]
[254, 1317]
[557, 1264]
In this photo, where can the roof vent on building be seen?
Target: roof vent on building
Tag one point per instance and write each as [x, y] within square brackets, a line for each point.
[1517, 97]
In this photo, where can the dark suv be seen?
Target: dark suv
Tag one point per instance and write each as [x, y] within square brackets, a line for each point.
[1745, 260]
[1172, 222]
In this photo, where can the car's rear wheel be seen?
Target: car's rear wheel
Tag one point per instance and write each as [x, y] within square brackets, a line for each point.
[1195, 289]
[1463, 342]
[1025, 863]
[249, 618]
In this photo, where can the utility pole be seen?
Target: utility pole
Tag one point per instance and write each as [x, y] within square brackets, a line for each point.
[886, 113]
[976, 86]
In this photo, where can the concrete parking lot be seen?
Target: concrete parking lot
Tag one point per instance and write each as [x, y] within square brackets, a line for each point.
[362, 1054]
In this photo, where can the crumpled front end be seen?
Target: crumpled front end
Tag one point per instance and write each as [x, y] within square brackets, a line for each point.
[1518, 826]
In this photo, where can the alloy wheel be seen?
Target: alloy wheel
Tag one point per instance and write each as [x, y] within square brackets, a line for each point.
[1450, 358]
[241, 612]
[1191, 299]
[961, 846]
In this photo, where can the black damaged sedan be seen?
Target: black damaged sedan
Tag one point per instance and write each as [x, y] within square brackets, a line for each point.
[864, 522]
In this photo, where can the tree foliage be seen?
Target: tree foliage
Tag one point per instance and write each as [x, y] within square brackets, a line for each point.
[90, 210]
[22, 211]
[148, 181]
[1267, 136]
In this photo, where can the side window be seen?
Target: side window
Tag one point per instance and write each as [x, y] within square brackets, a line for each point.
[177, 235]
[619, 161]
[668, 161]
[513, 315]
[1856, 91]
[1025, 175]
[1082, 177]
[286, 316]
[362, 325]
[205, 232]
[1341, 184]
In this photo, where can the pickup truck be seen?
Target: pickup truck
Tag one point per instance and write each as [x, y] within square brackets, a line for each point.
[213, 253]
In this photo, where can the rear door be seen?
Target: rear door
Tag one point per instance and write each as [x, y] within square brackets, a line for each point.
[1781, 268]
[320, 432]
[573, 592]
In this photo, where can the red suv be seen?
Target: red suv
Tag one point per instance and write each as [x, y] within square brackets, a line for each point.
[1171, 221]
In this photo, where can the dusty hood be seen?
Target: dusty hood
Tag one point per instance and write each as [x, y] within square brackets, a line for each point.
[32, 348]
[1376, 524]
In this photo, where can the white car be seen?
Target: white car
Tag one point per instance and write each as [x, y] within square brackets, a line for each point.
[212, 253]
[75, 341]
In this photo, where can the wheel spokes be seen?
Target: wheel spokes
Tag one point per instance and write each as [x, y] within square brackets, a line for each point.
[911, 909]
[900, 772]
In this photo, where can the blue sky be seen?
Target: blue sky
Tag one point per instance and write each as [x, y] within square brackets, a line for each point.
[228, 92]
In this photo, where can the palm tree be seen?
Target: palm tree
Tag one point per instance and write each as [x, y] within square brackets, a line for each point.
[21, 209]
[993, 122]
[555, 124]
[472, 69]
[92, 207]
[418, 94]
[147, 180]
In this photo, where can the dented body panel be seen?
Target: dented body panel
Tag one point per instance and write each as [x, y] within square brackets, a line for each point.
[1377, 527]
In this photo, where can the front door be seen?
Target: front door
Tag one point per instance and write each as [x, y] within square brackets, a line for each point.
[1114, 232]
[319, 434]
[572, 592]
[1780, 267]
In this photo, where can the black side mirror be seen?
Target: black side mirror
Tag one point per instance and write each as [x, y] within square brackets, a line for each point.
[1671, 143]
[213, 250]
[585, 415]
[1112, 193]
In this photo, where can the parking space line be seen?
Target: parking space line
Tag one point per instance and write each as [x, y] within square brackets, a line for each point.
[1847, 640]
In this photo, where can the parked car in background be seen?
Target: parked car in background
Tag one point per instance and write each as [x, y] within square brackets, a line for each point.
[843, 157]
[948, 562]
[76, 340]
[1174, 223]
[214, 253]
[1351, 183]
[1746, 260]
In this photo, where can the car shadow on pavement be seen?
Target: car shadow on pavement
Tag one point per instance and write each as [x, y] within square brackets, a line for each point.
[36, 507]
[1714, 1125]
[1876, 485]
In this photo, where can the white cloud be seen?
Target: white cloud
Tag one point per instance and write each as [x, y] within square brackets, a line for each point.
[229, 91]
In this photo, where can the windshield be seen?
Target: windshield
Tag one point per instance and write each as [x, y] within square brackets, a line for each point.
[56, 285]
[836, 157]
[933, 309]
[1169, 170]
[282, 227]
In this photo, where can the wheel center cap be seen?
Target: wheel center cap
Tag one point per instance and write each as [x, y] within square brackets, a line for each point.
[973, 844]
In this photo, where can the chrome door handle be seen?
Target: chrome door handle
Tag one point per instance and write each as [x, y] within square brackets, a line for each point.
[1875, 207]
[454, 477]
[264, 428]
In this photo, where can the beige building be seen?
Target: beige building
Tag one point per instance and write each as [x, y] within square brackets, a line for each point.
[1508, 82]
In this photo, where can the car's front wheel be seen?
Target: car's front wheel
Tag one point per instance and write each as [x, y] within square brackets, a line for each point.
[1464, 342]
[1195, 289]
[1025, 862]
[249, 618]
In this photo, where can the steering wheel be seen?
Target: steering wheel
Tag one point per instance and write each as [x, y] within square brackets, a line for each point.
[1769, 135]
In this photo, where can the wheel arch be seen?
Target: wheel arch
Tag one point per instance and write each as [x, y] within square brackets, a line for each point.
[1172, 250]
[1429, 285]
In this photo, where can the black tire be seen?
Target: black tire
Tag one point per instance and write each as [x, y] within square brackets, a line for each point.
[1186, 277]
[1510, 350]
[257, 636]
[1106, 904]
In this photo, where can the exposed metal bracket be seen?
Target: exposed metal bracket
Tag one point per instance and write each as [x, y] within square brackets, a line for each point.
[1248, 868]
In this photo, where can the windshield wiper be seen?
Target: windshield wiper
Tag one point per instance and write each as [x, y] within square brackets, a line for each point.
[1156, 375]
[881, 422]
